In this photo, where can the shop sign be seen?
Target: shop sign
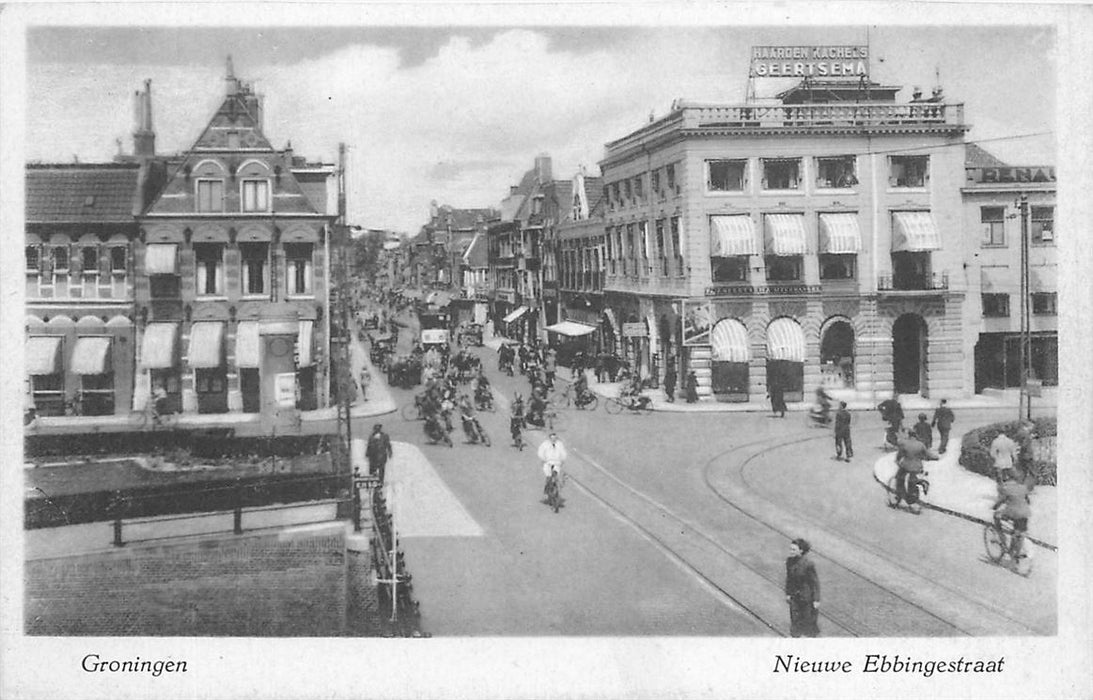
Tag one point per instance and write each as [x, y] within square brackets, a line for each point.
[743, 290]
[809, 61]
[1033, 173]
[697, 321]
[634, 330]
[510, 297]
[284, 389]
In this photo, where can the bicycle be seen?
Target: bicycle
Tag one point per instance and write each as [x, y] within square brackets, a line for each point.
[615, 406]
[552, 419]
[150, 416]
[553, 490]
[516, 426]
[921, 482]
[415, 410]
[475, 432]
[998, 540]
[568, 397]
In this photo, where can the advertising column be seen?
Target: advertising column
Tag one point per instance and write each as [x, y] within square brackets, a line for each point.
[278, 327]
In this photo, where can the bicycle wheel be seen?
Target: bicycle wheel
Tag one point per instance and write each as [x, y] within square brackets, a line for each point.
[890, 495]
[552, 494]
[995, 543]
[614, 406]
[561, 398]
[591, 403]
[1023, 564]
[410, 412]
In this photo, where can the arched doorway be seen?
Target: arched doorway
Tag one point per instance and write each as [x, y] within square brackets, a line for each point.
[909, 342]
[786, 357]
[837, 355]
[730, 354]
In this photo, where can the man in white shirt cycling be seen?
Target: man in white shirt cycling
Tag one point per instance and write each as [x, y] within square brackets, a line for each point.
[553, 455]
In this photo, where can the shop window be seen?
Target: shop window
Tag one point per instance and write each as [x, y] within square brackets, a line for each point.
[996, 305]
[726, 175]
[210, 195]
[97, 394]
[298, 262]
[838, 267]
[117, 259]
[993, 220]
[783, 268]
[255, 257]
[48, 392]
[1044, 303]
[733, 269]
[908, 171]
[839, 172]
[1042, 224]
[255, 195]
[32, 258]
[210, 268]
[781, 173]
[670, 176]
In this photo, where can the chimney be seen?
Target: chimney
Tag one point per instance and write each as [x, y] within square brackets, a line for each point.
[144, 136]
[253, 103]
[542, 168]
[233, 84]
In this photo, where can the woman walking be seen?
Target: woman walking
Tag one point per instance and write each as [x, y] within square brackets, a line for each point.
[802, 591]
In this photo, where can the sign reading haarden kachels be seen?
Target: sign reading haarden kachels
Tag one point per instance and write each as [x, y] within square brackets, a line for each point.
[809, 61]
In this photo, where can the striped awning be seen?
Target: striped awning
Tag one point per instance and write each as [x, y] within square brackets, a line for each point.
[246, 345]
[303, 345]
[839, 233]
[993, 279]
[732, 235]
[161, 259]
[91, 355]
[43, 354]
[157, 349]
[914, 231]
[520, 311]
[206, 343]
[785, 234]
[571, 329]
[785, 340]
[730, 342]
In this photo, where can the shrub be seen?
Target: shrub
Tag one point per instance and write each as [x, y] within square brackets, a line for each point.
[1037, 455]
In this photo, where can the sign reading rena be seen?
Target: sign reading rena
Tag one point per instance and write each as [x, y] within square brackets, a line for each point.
[809, 61]
[1033, 173]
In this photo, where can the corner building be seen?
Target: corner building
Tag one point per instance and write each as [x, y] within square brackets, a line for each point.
[813, 241]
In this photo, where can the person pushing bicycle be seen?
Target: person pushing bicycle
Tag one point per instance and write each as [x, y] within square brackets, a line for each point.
[1013, 504]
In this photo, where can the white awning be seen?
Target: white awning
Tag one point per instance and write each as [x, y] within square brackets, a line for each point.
[839, 233]
[732, 235]
[303, 347]
[91, 355]
[157, 350]
[246, 345]
[730, 342]
[785, 234]
[161, 259]
[43, 354]
[571, 329]
[520, 311]
[914, 231]
[206, 340]
[785, 340]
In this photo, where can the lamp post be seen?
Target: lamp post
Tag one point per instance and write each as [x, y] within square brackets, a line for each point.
[1024, 403]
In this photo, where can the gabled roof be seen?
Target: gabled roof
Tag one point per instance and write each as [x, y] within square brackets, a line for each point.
[82, 193]
[975, 156]
[518, 204]
[466, 219]
[477, 253]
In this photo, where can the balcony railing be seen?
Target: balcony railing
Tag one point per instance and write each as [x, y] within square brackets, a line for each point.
[855, 115]
[934, 282]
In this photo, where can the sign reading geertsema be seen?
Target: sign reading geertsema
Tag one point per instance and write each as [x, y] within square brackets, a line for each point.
[809, 61]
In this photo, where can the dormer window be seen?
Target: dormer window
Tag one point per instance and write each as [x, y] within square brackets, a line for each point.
[255, 195]
[210, 195]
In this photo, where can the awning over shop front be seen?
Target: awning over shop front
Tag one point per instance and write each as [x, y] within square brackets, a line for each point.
[91, 355]
[571, 329]
[206, 341]
[157, 350]
[732, 235]
[914, 231]
[303, 345]
[43, 354]
[161, 259]
[785, 340]
[730, 342]
[246, 345]
[785, 234]
[839, 233]
[520, 311]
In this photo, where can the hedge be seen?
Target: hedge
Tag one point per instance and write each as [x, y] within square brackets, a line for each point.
[975, 449]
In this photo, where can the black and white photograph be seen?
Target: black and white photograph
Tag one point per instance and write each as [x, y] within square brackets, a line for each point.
[524, 350]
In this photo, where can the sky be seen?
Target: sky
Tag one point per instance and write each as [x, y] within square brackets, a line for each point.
[457, 114]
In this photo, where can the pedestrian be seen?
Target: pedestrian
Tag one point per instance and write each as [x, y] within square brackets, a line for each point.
[692, 387]
[378, 452]
[842, 433]
[943, 421]
[550, 366]
[1004, 454]
[923, 431]
[802, 590]
[777, 398]
[670, 381]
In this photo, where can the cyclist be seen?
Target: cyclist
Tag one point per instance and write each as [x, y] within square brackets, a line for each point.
[553, 455]
[912, 453]
[631, 390]
[1012, 504]
[538, 406]
[466, 416]
[516, 422]
[482, 395]
[580, 389]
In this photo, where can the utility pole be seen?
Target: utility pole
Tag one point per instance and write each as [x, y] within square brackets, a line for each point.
[343, 376]
[1024, 404]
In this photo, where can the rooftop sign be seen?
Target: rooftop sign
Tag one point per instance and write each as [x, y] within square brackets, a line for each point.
[1034, 173]
[809, 61]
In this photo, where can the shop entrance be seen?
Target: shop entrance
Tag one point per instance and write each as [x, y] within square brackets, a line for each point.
[909, 343]
[837, 356]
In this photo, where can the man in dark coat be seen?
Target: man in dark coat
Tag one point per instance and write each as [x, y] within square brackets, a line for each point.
[923, 432]
[802, 591]
[670, 382]
[378, 451]
[943, 421]
[912, 453]
[777, 398]
[692, 387]
[842, 433]
[891, 413]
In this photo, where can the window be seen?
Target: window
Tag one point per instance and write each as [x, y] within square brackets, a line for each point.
[90, 259]
[255, 195]
[837, 267]
[783, 268]
[674, 229]
[734, 269]
[643, 232]
[781, 173]
[210, 268]
[996, 305]
[838, 172]
[908, 171]
[60, 259]
[994, 225]
[1044, 303]
[32, 258]
[670, 174]
[726, 175]
[298, 262]
[210, 195]
[255, 257]
[607, 194]
[233, 139]
[165, 286]
[660, 238]
[626, 190]
[655, 178]
[616, 198]
[639, 187]
[117, 259]
[1042, 224]
[610, 247]
[631, 245]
